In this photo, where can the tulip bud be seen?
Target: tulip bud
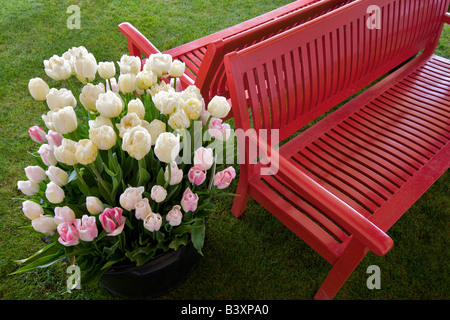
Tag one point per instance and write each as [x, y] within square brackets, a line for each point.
[35, 174]
[219, 107]
[44, 224]
[38, 89]
[29, 188]
[158, 193]
[37, 134]
[54, 193]
[143, 209]
[54, 138]
[106, 70]
[167, 147]
[32, 210]
[94, 205]
[63, 214]
[57, 68]
[174, 216]
[177, 68]
[57, 175]
[47, 155]
[129, 64]
[130, 197]
[153, 222]
[136, 106]
[85, 67]
[127, 82]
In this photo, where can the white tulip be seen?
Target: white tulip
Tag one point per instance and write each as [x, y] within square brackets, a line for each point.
[177, 68]
[146, 79]
[71, 54]
[137, 142]
[129, 64]
[158, 193]
[167, 102]
[47, 154]
[158, 63]
[103, 137]
[129, 121]
[167, 147]
[155, 128]
[38, 89]
[176, 174]
[57, 68]
[192, 107]
[29, 188]
[57, 175]
[32, 210]
[86, 151]
[58, 99]
[44, 224]
[127, 82]
[106, 70]
[85, 67]
[136, 106]
[54, 193]
[100, 121]
[109, 104]
[65, 153]
[219, 107]
[89, 95]
[64, 120]
[94, 205]
[179, 120]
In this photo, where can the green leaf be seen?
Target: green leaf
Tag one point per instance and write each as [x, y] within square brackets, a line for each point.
[160, 179]
[42, 262]
[198, 235]
[178, 241]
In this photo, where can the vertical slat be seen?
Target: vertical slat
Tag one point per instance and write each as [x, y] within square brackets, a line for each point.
[321, 69]
[274, 99]
[253, 99]
[281, 89]
[289, 84]
[297, 85]
[315, 76]
[263, 97]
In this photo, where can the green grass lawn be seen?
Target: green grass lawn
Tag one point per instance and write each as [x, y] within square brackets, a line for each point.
[254, 257]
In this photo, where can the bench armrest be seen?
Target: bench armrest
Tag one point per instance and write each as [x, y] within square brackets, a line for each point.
[447, 18]
[137, 42]
[336, 209]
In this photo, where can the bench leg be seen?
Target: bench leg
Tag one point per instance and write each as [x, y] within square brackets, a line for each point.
[342, 269]
[240, 201]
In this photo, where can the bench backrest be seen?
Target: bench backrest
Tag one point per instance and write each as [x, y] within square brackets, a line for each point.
[211, 78]
[293, 78]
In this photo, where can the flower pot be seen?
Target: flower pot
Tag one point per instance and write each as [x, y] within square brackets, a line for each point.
[156, 277]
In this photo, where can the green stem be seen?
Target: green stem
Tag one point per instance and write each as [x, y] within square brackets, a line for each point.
[80, 178]
[100, 179]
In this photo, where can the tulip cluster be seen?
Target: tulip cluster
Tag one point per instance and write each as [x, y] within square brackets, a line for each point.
[108, 177]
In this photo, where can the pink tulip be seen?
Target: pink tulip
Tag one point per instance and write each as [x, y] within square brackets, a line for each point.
[37, 134]
[223, 178]
[112, 221]
[47, 155]
[204, 158]
[189, 200]
[54, 138]
[68, 234]
[197, 175]
[87, 228]
[174, 216]
[219, 130]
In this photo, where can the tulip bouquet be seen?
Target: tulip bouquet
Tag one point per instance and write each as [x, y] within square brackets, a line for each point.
[123, 171]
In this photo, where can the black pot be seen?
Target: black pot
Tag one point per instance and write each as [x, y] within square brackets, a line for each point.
[154, 278]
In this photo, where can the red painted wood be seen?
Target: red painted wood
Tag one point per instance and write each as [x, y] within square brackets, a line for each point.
[342, 182]
[204, 57]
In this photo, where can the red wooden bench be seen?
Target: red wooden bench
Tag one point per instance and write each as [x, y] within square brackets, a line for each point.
[204, 57]
[343, 182]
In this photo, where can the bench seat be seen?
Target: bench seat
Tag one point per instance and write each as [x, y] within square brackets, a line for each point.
[368, 153]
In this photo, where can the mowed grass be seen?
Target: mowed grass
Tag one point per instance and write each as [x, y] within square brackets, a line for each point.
[254, 257]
